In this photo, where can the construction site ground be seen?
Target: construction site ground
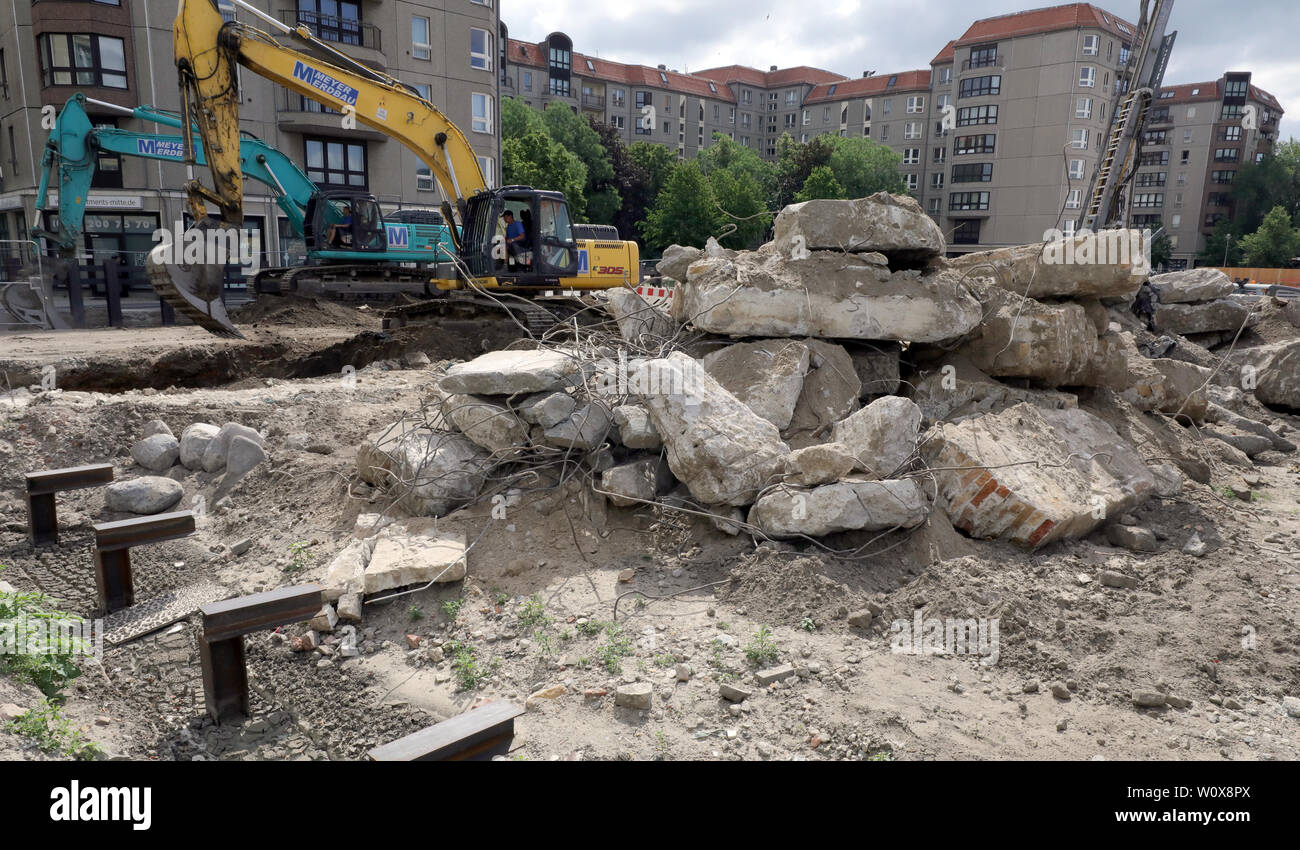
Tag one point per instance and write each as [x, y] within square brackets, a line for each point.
[568, 598]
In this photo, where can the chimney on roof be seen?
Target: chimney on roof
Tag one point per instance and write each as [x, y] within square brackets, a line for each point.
[773, 68]
[663, 67]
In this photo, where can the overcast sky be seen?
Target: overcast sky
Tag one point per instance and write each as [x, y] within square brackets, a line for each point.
[852, 36]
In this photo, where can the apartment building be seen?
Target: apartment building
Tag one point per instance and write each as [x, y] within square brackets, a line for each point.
[999, 138]
[120, 51]
[1196, 137]
[667, 107]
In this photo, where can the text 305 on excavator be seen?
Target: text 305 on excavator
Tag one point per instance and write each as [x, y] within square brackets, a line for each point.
[208, 51]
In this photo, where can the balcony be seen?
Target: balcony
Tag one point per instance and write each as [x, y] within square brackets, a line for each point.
[989, 62]
[297, 114]
[356, 39]
[593, 101]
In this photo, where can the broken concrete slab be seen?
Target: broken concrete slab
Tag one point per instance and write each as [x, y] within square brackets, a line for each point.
[1203, 284]
[415, 553]
[1218, 414]
[1247, 443]
[894, 225]
[815, 465]
[635, 429]
[956, 389]
[676, 260]
[637, 482]
[512, 372]
[1279, 377]
[877, 366]
[1102, 264]
[833, 295]
[719, 448]
[490, 424]
[882, 435]
[1225, 315]
[546, 409]
[347, 570]
[1166, 386]
[830, 392]
[587, 428]
[768, 375]
[644, 325]
[1033, 476]
[432, 472]
[1157, 439]
[851, 505]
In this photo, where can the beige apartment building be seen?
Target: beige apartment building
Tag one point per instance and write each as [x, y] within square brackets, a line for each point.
[999, 138]
[120, 51]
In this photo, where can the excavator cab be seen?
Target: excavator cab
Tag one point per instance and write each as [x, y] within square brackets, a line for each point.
[547, 251]
[345, 221]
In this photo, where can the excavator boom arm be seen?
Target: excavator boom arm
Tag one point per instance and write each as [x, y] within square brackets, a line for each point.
[207, 50]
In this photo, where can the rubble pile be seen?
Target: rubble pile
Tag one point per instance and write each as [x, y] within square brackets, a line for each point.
[846, 377]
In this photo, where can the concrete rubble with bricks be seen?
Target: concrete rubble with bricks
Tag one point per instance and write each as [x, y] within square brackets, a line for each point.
[847, 378]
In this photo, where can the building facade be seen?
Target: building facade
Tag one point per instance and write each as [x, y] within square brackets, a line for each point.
[120, 52]
[999, 138]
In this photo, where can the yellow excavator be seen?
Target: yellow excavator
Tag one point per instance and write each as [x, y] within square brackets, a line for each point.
[209, 48]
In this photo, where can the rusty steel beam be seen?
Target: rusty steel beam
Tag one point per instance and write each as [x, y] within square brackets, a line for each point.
[42, 515]
[113, 543]
[476, 735]
[221, 643]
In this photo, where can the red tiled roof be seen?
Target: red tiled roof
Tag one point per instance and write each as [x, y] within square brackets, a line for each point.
[869, 86]
[1208, 92]
[1050, 19]
[770, 79]
[524, 53]
[946, 55]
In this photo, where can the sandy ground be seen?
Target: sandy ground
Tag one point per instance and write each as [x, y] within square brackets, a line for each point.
[544, 609]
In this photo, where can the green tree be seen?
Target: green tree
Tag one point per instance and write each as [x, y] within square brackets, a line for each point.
[1260, 186]
[1222, 246]
[658, 163]
[739, 203]
[685, 213]
[577, 136]
[821, 184]
[538, 160]
[518, 119]
[741, 161]
[1275, 244]
[795, 161]
[630, 180]
[1162, 250]
[864, 167]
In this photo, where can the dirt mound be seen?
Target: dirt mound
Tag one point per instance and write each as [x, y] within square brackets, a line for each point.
[297, 311]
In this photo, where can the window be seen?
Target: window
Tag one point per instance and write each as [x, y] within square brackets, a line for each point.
[963, 201]
[792, 97]
[1091, 44]
[481, 113]
[561, 58]
[81, 59]
[424, 179]
[977, 172]
[1155, 137]
[489, 168]
[1076, 169]
[1148, 221]
[618, 97]
[108, 166]
[421, 46]
[886, 106]
[1227, 155]
[980, 86]
[983, 56]
[826, 115]
[1154, 158]
[911, 181]
[935, 205]
[945, 75]
[1151, 178]
[1079, 139]
[912, 130]
[1191, 112]
[1185, 158]
[618, 121]
[844, 114]
[972, 144]
[1222, 176]
[911, 156]
[1159, 116]
[940, 154]
[916, 104]
[1124, 51]
[966, 232]
[807, 117]
[1231, 134]
[1232, 113]
[1235, 88]
[1074, 200]
[332, 20]
[1146, 200]
[480, 49]
[941, 101]
[1083, 108]
[332, 162]
[789, 120]
[559, 87]
[884, 133]
[1220, 199]
[1087, 77]
[970, 115]
[936, 180]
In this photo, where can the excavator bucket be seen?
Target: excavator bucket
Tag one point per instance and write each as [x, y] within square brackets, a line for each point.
[194, 291]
